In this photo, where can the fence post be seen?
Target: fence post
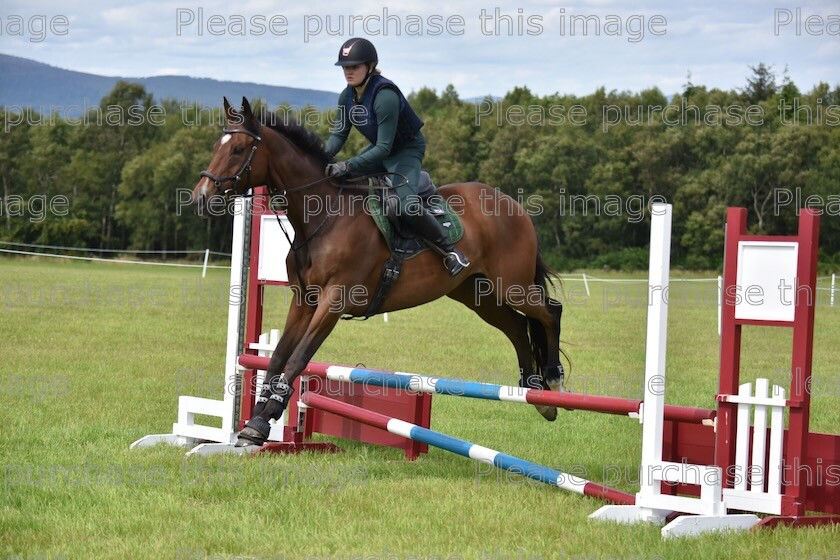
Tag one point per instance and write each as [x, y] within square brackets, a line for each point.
[204, 268]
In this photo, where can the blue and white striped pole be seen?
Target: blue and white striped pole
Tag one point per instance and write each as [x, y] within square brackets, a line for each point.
[488, 391]
[476, 452]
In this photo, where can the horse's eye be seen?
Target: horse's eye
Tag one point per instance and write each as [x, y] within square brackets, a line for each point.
[238, 150]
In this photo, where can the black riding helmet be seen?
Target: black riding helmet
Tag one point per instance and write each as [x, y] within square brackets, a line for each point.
[357, 51]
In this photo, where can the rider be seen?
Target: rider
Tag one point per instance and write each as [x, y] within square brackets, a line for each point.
[378, 110]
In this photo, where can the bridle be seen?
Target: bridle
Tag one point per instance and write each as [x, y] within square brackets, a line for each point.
[246, 167]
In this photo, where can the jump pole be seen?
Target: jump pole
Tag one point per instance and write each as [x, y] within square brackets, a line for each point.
[487, 391]
[460, 447]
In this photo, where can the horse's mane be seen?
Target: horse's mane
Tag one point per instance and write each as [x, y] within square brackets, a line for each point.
[307, 140]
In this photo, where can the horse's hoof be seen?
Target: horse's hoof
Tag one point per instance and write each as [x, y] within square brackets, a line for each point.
[249, 437]
[548, 412]
[556, 385]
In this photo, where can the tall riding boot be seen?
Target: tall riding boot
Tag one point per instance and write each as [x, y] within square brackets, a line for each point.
[425, 225]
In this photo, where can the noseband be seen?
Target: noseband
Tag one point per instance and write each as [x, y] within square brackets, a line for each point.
[246, 167]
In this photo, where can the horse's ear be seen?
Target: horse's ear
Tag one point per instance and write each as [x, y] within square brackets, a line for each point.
[249, 120]
[231, 116]
[246, 109]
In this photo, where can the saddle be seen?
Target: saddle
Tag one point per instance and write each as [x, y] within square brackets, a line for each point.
[401, 239]
[404, 243]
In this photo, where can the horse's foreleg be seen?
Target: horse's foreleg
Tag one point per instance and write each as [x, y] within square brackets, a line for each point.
[297, 321]
[280, 386]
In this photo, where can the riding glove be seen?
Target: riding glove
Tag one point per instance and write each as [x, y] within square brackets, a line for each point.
[337, 169]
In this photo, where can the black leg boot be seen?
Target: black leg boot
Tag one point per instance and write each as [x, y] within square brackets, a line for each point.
[274, 398]
[427, 227]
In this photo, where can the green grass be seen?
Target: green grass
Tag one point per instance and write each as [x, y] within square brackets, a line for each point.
[95, 356]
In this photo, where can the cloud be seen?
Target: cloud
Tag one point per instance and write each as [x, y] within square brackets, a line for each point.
[716, 41]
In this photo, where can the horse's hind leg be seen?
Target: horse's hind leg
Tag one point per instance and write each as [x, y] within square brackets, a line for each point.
[553, 373]
[515, 326]
[544, 329]
[543, 318]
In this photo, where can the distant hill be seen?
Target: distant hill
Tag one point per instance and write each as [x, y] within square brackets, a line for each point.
[35, 84]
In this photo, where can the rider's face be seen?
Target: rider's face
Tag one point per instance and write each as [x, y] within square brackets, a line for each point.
[355, 74]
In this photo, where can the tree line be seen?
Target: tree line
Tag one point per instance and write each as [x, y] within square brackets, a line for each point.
[584, 166]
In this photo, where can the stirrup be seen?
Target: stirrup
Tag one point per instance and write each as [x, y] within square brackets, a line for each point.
[455, 262]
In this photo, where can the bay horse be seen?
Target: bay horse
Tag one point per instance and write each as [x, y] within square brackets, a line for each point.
[506, 284]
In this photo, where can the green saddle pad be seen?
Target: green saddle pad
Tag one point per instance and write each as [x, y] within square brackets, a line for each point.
[448, 219]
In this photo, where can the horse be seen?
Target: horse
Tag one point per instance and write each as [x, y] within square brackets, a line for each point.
[506, 284]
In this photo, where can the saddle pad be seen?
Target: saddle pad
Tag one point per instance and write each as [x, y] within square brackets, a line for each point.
[411, 246]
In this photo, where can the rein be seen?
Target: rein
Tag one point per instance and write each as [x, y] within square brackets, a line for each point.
[305, 242]
[246, 168]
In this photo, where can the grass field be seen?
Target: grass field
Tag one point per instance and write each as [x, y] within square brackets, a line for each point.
[95, 356]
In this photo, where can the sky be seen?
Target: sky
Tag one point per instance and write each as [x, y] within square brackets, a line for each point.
[479, 47]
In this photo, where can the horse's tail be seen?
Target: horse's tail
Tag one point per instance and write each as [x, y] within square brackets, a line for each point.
[544, 278]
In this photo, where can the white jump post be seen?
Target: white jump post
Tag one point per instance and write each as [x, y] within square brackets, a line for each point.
[271, 243]
[186, 431]
[651, 504]
[758, 461]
